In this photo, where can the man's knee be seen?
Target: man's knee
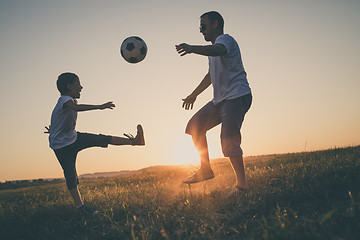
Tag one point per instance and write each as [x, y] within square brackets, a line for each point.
[194, 129]
[231, 147]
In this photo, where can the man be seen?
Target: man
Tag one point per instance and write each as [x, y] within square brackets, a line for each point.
[232, 98]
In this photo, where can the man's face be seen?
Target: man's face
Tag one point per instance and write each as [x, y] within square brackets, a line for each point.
[207, 28]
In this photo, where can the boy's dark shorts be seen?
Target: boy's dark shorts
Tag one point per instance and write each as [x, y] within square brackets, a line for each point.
[67, 155]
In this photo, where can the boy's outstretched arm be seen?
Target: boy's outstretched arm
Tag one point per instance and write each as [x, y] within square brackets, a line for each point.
[47, 129]
[86, 107]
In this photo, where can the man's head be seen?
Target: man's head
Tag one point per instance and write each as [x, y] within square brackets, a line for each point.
[69, 84]
[211, 25]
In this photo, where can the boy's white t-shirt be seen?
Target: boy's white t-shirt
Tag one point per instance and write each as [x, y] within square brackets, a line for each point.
[227, 72]
[63, 121]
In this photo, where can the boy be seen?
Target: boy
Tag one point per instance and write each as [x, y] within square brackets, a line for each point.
[66, 142]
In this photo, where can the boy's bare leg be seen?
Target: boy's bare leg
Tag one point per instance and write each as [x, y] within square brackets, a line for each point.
[75, 194]
[80, 205]
[120, 141]
[239, 169]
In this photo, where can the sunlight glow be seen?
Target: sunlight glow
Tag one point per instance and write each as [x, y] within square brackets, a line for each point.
[184, 152]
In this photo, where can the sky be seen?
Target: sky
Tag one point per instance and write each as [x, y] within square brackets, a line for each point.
[302, 60]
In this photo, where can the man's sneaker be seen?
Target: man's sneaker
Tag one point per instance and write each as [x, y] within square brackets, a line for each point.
[88, 211]
[199, 176]
[139, 140]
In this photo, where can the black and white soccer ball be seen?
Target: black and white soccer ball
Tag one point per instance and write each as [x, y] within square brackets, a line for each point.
[133, 49]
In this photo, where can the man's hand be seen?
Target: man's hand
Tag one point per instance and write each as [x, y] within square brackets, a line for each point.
[189, 102]
[47, 129]
[107, 105]
[184, 49]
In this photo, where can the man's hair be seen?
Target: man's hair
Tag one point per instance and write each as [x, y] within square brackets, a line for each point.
[214, 16]
[63, 80]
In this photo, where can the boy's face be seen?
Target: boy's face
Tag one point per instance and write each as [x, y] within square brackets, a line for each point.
[75, 89]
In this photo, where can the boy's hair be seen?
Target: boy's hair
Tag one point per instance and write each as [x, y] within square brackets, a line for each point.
[214, 16]
[63, 80]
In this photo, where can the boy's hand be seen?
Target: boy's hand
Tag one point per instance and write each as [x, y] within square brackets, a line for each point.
[107, 105]
[47, 129]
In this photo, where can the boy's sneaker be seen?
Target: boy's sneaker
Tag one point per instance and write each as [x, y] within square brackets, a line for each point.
[139, 140]
[199, 176]
[88, 211]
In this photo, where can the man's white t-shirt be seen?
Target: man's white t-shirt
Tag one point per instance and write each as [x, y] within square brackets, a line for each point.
[63, 121]
[227, 72]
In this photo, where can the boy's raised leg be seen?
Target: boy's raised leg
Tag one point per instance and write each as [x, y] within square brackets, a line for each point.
[138, 140]
[120, 141]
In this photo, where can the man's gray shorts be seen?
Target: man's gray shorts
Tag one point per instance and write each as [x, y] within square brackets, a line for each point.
[230, 113]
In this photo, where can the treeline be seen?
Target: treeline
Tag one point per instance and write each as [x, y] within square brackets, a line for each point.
[27, 183]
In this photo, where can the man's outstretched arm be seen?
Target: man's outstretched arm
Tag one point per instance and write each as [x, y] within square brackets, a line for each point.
[189, 100]
[208, 50]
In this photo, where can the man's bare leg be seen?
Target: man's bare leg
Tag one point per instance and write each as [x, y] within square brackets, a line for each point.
[201, 146]
[239, 169]
[205, 172]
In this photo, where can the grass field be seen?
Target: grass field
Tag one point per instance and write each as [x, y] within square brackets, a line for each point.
[314, 195]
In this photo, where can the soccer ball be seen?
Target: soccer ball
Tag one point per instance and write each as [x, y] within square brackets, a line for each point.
[133, 49]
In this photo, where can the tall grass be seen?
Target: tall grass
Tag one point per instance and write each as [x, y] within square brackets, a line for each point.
[312, 195]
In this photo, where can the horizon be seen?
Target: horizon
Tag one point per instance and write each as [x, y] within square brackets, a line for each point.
[133, 171]
[301, 60]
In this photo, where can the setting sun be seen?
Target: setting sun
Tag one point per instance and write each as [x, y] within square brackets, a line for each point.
[184, 152]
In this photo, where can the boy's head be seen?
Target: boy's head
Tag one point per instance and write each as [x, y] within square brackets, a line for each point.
[69, 84]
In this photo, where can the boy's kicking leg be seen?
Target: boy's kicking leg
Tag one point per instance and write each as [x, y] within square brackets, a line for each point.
[138, 140]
